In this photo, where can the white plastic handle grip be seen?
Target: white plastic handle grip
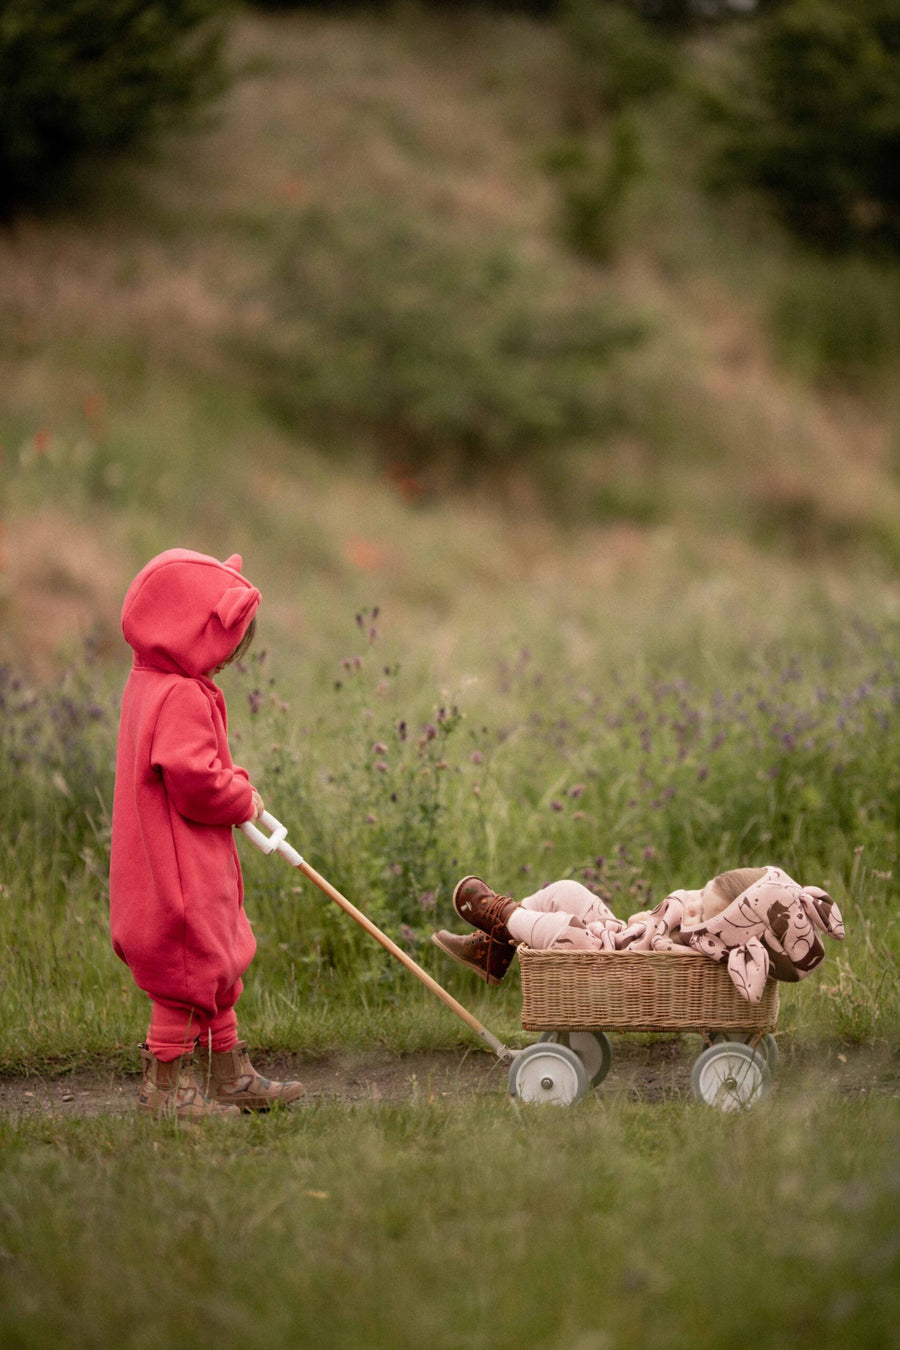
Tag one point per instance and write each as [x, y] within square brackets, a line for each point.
[267, 843]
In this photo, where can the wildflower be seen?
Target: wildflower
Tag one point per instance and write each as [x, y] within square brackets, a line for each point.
[371, 820]
[556, 805]
[408, 934]
[476, 757]
[577, 791]
[380, 766]
[379, 749]
[649, 853]
[427, 900]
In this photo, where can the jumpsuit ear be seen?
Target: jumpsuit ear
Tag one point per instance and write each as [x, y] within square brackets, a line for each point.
[235, 562]
[235, 604]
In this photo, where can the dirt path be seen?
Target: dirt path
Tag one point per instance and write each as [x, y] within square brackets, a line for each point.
[651, 1071]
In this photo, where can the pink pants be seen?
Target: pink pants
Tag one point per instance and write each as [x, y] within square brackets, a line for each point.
[557, 915]
[175, 1027]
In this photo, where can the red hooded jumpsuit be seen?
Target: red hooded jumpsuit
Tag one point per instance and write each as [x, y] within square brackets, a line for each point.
[176, 896]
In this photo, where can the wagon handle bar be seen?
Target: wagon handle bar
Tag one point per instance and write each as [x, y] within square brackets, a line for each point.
[276, 842]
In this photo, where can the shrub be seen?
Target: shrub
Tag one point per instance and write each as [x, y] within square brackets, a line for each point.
[449, 358]
[613, 61]
[94, 77]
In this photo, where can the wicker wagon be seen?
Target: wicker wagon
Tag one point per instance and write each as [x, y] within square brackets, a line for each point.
[575, 998]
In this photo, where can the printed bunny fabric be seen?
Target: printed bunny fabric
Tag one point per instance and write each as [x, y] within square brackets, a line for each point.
[775, 927]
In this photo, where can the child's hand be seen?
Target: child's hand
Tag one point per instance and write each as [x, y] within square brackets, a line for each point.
[258, 805]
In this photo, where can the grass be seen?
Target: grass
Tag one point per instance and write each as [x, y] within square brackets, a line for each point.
[459, 1222]
[714, 747]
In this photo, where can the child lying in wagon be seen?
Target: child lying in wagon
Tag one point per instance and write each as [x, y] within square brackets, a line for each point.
[757, 921]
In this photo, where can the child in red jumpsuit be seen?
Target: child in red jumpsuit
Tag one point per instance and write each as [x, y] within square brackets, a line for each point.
[176, 896]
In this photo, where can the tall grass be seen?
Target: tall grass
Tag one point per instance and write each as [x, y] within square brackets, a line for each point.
[634, 774]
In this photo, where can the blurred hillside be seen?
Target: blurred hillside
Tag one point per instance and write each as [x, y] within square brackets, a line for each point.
[340, 328]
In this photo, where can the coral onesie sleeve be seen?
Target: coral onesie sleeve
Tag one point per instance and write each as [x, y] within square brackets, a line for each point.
[186, 751]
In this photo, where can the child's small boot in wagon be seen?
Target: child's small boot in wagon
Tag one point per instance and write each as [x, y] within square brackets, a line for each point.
[227, 1076]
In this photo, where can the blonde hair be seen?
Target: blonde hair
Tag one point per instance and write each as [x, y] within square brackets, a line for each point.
[732, 884]
[243, 645]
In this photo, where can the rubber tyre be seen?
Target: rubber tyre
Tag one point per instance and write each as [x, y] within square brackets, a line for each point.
[730, 1076]
[545, 1074]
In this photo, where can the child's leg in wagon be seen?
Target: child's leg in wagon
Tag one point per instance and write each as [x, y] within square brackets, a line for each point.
[169, 1089]
[555, 915]
[226, 1074]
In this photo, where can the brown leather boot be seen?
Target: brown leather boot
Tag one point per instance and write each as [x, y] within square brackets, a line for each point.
[483, 908]
[487, 957]
[169, 1091]
[228, 1076]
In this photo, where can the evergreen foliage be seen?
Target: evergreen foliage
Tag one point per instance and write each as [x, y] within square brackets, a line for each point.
[814, 119]
[96, 77]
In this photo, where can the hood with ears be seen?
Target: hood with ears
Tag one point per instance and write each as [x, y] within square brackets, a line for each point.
[774, 927]
[185, 613]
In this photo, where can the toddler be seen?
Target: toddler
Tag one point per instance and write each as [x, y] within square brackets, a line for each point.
[176, 895]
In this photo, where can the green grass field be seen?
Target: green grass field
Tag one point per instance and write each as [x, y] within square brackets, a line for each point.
[569, 569]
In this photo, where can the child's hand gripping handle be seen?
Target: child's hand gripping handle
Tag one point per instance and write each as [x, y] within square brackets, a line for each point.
[272, 842]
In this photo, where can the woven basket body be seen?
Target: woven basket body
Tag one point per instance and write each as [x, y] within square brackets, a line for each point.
[636, 991]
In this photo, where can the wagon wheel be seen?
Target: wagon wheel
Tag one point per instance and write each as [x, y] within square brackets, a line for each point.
[591, 1047]
[546, 1072]
[730, 1076]
[766, 1044]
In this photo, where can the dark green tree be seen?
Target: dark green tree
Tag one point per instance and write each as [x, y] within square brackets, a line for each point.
[815, 119]
[87, 78]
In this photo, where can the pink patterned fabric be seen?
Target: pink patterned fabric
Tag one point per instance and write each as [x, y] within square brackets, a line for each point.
[774, 927]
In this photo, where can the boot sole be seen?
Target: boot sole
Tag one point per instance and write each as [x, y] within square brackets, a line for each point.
[476, 970]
